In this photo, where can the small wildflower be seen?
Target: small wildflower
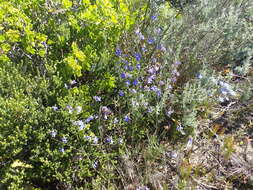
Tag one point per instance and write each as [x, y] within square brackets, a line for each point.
[137, 56]
[80, 124]
[130, 68]
[95, 164]
[97, 98]
[62, 150]
[87, 137]
[151, 71]
[126, 67]
[154, 88]
[133, 91]
[78, 109]
[70, 108]
[118, 52]
[73, 82]
[177, 63]
[150, 110]
[153, 17]
[109, 140]
[135, 82]
[128, 83]
[199, 76]
[121, 93]
[150, 79]
[106, 111]
[55, 108]
[180, 129]
[89, 119]
[53, 133]
[120, 141]
[127, 118]
[151, 40]
[161, 83]
[95, 140]
[123, 75]
[64, 140]
[138, 66]
[115, 121]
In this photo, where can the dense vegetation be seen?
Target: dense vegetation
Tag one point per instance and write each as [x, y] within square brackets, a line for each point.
[126, 94]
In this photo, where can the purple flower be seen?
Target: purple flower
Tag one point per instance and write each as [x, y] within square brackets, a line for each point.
[69, 108]
[150, 79]
[123, 75]
[73, 82]
[128, 83]
[130, 68]
[121, 93]
[127, 118]
[55, 108]
[97, 98]
[89, 119]
[137, 56]
[138, 66]
[135, 82]
[154, 88]
[53, 133]
[151, 70]
[80, 124]
[125, 67]
[87, 138]
[62, 150]
[109, 140]
[158, 93]
[118, 52]
[177, 63]
[161, 83]
[95, 140]
[115, 121]
[78, 109]
[151, 40]
[199, 76]
[153, 17]
[95, 164]
[133, 91]
[64, 140]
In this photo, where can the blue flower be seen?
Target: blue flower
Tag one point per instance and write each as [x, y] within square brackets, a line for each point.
[89, 119]
[135, 82]
[127, 118]
[80, 124]
[97, 98]
[130, 68]
[153, 17]
[118, 52]
[53, 133]
[137, 56]
[109, 140]
[64, 140]
[62, 150]
[151, 40]
[133, 91]
[55, 108]
[121, 93]
[78, 109]
[123, 75]
[95, 164]
[138, 66]
[95, 140]
[125, 67]
[128, 83]
[199, 76]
